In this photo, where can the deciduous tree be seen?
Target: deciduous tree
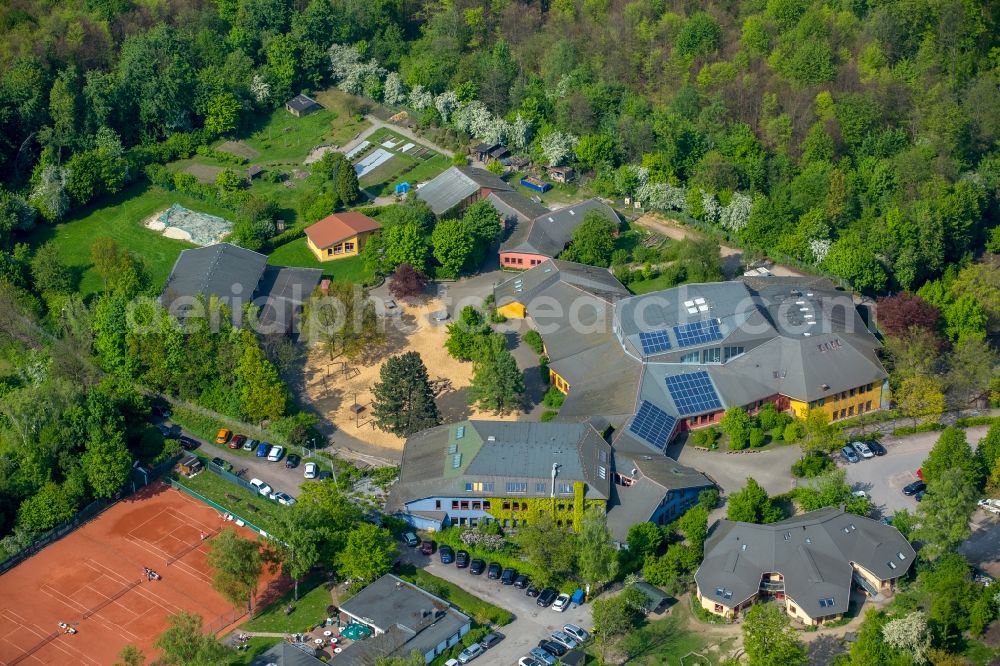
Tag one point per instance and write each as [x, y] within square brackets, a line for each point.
[752, 505]
[596, 557]
[237, 564]
[945, 511]
[549, 548]
[769, 640]
[593, 241]
[407, 282]
[369, 553]
[497, 382]
[736, 424]
[920, 397]
[185, 643]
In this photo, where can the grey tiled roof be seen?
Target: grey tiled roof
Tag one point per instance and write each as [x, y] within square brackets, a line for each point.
[550, 232]
[411, 619]
[814, 552]
[223, 270]
[500, 452]
[455, 185]
[514, 206]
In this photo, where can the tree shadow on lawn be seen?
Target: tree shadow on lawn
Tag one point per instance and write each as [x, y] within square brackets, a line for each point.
[454, 405]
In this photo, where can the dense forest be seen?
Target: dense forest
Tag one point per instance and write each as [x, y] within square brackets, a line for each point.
[857, 136]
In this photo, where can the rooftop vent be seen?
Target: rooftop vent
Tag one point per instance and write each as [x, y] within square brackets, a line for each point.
[491, 438]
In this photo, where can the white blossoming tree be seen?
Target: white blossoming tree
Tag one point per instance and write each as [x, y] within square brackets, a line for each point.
[343, 60]
[909, 634]
[734, 216]
[362, 78]
[260, 89]
[711, 207]
[661, 195]
[557, 146]
[472, 118]
[820, 247]
[420, 98]
[520, 133]
[498, 131]
[446, 103]
[392, 91]
[49, 194]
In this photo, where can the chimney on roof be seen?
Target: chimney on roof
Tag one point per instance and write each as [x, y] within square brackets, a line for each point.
[324, 287]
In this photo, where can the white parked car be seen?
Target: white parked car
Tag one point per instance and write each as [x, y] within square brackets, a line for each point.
[309, 471]
[261, 487]
[991, 505]
[578, 633]
[565, 639]
[283, 498]
[860, 493]
[470, 653]
[863, 450]
[561, 603]
[276, 453]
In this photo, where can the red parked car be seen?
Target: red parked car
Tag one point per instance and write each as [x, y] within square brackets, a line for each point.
[237, 441]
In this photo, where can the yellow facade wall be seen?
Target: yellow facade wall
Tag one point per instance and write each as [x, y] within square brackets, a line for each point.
[843, 405]
[512, 310]
[558, 381]
[340, 250]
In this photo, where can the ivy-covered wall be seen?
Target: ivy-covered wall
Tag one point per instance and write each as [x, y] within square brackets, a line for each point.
[569, 510]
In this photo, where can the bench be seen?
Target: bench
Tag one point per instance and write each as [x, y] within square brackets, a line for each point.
[232, 497]
[252, 508]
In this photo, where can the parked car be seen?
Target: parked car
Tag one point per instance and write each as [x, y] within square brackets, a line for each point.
[451, 662]
[411, 539]
[470, 653]
[849, 454]
[863, 450]
[578, 633]
[476, 567]
[292, 461]
[223, 436]
[219, 462]
[462, 559]
[532, 591]
[561, 603]
[237, 441]
[529, 661]
[542, 656]
[886, 520]
[446, 554]
[161, 409]
[546, 597]
[283, 498]
[491, 639]
[508, 576]
[263, 449]
[522, 581]
[188, 444]
[261, 487]
[427, 547]
[565, 639]
[553, 648]
[914, 488]
[250, 444]
[324, 475]
[493, 571]
[309, 471]
[169, 431]
[276, 453]
[991, 505]
[877, 448]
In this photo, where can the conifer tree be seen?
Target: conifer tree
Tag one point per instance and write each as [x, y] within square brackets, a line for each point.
[404, 402]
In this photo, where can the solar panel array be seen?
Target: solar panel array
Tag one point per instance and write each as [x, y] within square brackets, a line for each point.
[693, 393]
[698, 332]
[653, 425]
[654, 342]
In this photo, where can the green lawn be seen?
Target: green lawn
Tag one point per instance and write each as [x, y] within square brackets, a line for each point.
[122, 219]
[664, 281]
[256, 646]
[665, 641]
[561, 194]
[297, 253]
[310, 610]
[283, 138]
[268, 513]
[481, 611]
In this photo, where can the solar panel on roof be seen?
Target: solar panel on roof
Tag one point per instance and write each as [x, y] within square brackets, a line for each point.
[653, 425]
[693, 393]
[654, 341]
[698, 332]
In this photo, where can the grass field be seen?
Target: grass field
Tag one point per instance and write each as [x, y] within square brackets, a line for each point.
[256, 646]
[283, 138]
[122, 219]
[403, 167]
[309, 610]
[666, 641]
[296, 253]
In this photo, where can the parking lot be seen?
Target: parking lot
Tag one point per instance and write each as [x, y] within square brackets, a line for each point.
[883, 478]
[531, 622]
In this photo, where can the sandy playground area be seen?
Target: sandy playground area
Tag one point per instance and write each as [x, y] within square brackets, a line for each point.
[331, 386]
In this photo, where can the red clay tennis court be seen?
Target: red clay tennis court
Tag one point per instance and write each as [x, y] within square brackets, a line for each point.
[93, 580]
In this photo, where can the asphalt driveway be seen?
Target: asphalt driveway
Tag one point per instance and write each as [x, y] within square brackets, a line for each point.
[531, 622]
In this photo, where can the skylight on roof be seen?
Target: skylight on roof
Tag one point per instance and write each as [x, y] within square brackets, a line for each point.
[901, 556]
[699, 301]
[826, 602]
[892, 565]
[456, 461]
[688, 304]
[460, 432]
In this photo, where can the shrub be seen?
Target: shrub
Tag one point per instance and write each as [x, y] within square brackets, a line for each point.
[543, 368]
[777, 433]
[482, 540]
[554, 398]
[811, 466]
[709, 498]
[792, 432]
[548, 415]
[756, 437]
[534, 340]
